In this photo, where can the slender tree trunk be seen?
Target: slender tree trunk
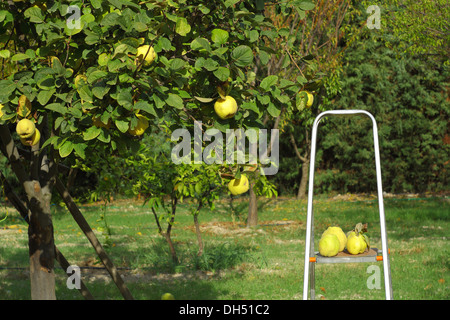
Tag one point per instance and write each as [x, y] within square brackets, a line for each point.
[199, 235]
[197, 228]
[168, 231]
[252, 219]
[84, 226]
[303, 181]
[301, 194]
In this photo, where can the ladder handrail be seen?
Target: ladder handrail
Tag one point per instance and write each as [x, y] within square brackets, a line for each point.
[308, 244]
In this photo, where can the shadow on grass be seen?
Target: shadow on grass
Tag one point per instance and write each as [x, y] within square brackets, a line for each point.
[215, 257]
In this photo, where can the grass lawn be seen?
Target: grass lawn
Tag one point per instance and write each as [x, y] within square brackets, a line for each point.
[265, 262]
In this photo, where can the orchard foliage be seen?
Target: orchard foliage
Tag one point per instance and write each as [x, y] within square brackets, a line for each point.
[90, 87]
[410, 102]
[421, 27]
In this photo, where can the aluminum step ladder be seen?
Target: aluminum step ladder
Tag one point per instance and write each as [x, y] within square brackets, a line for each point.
[312, 257]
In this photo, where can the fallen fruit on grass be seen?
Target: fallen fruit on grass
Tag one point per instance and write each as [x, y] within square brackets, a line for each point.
[329, 245]
[226, 108]
[357, 241]
[238, 186]
[25, 128]
[167, 296]
[340, 234]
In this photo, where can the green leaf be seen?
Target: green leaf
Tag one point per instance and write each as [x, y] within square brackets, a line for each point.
[242, 56]
[145, 106]
[52, 140]
[46, 83]
[210, 64]
[91, 37]
[57, 107]
[19, 57]
[222, 73]
[104, 136]
[230, 3]
[182, 27]
[7, 87]
[163, 44]
[177, 64]
[273, 110]
[96, 75]
[200, 43]
[45, 95]
[85, 94]
[248, 105]
[125, 99]
[204, 100]
[79, 149]
[268, 82]
[91, 133]
[6, 16]
[97, 4]
[305, 5]
[174, 100]
[5, 54]
[122, 125]
[34, 14]
[253, 35]
[99, 90]
[219, 36]
[66, 149]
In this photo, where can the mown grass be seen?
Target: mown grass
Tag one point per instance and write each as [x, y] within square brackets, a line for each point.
[265, 262]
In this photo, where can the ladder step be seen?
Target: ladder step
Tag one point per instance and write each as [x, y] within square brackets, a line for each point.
[373, 255]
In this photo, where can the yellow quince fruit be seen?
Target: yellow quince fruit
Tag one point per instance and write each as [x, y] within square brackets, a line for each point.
[239, 186]
[337, 231]
[141, 126]
[25, 128]
[146, 53]
[329, 245]
[33, 140]
[226, 108]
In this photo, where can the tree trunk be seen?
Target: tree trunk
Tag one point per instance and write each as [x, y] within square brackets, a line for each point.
[37, 185]
[303, 181]
[199, 235]
[252, 219]
[301, 194]
[41, 245]
[168, 231]
[84, 226]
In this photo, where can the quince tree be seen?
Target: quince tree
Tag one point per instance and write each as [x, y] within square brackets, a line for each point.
[91, 91]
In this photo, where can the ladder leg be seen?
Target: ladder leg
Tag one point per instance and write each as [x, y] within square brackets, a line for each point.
[312, 280]
[309, 242]
[386, 264]
[312, 265]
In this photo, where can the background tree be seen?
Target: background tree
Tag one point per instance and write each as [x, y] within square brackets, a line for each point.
[418, 27]
[315, 44]
[410, 102]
